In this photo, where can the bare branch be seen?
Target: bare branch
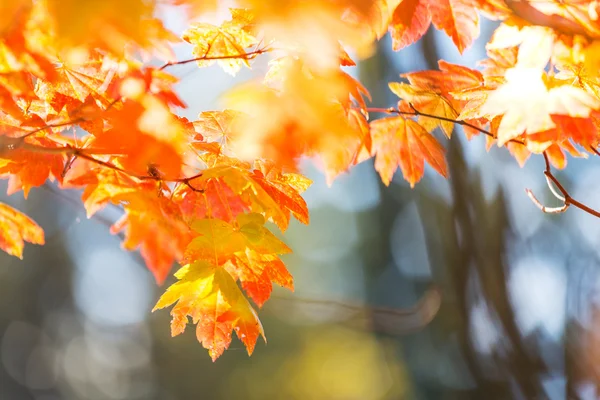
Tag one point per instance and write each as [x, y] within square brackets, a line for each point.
[564, 196]
[543, 208]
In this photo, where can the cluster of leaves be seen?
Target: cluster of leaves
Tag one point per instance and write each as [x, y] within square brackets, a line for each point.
[79, 106]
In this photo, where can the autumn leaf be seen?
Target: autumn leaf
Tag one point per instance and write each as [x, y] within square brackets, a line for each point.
[458, 18]
[401, 142]
[410, 22]
[82, 102]
[17, 228]
[209, 198]
[305, 117]
[218, 242]
[411, 19]
[276, 196]
[78, 81]
[110, 24]
[213, 300]
[225, 44]
[217, 126]
[145, 134]
[426, 101]
[527, 104]
[153, 226]
[151, 223]
[257, 274]
[536, 43]
[26, 168]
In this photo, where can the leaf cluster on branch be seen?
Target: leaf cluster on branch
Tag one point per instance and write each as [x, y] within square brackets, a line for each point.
[80, 104]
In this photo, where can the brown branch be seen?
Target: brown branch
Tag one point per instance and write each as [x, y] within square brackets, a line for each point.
[50, 126]
[564, 195]
[245, 56]
[66, 123]
[417, 113]
[11, 144]
[394, 321]
[551, 180]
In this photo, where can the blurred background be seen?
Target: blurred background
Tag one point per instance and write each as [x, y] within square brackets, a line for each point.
[458, 289]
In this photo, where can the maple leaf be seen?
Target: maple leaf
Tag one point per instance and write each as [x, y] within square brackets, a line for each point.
[258, 272]
[499, 61]
[426, 101]
[209, 294]
[536, 43]
[283, 188]
[215, 303]
[209, 198]
[154, 226]
[77, 81]
[26, 168]
[398, 141]
[144, 134]
[306, 117]
[151, 222]
[458, 18]
[410, 22]
[17, 228]
[218, 241]
[276, 195]
[526, 103]
[461, 88]
[218, 126]
[225, 44]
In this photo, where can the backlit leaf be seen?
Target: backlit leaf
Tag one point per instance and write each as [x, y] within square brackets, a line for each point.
[401, 142]
[17, 228]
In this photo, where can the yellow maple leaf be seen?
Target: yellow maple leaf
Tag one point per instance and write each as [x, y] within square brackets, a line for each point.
[211, 297]
[225, 44]
[426, 101]
[17, 228]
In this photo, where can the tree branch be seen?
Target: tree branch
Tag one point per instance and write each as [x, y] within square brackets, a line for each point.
[417, 113]
[553, 183]
[245, 56]
[8, 144]
[564, 195]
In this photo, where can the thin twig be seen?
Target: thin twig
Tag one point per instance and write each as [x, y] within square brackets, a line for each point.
[418, 113]
[11, 144]
[545, 209]
[564, 195]
[245, 56]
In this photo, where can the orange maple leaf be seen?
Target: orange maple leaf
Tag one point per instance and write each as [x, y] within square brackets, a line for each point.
[225, 44]
[398, 141]
[27, 168]
[17, 228]
[428, 101]
[215, 303]
[458, 18]
[412, 18]
[410, 22]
